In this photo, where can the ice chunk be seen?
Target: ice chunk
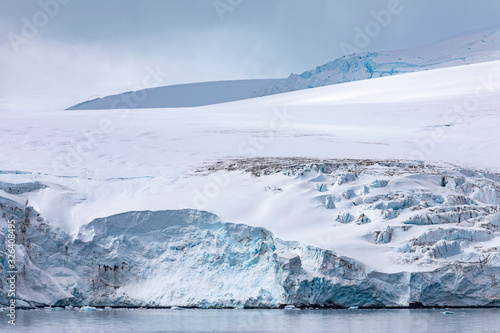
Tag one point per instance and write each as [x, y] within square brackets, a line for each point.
[454, 200]
[405, 248]
[21, 188]
[451, 234]
[383, 237]
[492, 222]
[343, 178]
[349, 194]
[344, 218]
[377, 183]
[329, 202]
[363, 219]
[321, 187]
[487, 194]
[373, 199]
[87, 308]
[494, 260]
[390, 214]
[363, 190]
[445, 249]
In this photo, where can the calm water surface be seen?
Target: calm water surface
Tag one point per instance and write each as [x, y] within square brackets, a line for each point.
[194, 320]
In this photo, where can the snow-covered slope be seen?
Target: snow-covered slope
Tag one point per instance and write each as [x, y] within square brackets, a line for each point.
[182, 95]
[369, 226]
[468, 48]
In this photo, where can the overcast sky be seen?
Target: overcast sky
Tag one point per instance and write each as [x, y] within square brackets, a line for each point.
[60, 52]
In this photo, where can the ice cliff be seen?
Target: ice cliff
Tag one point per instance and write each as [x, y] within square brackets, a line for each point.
[191, 258]
[464, 49]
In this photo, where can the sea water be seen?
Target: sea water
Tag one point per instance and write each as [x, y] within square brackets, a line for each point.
[228, 320]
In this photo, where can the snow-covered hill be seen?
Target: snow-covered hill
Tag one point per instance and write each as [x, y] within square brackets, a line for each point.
[307, 197]
[183, 95]
[469, 48]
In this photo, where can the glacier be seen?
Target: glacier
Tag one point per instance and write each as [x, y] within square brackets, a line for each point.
[215, 206]
[192, 258]
[469, 48]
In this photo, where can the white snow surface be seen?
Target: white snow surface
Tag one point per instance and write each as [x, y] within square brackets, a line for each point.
[468, 48]
[97, 164]
[258, 162]
[183, 95]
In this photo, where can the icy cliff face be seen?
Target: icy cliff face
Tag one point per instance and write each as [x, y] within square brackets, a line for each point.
[460, 50]
[193, 258]
[361, 66]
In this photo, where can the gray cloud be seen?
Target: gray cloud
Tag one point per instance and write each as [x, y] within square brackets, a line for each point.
[95, 47]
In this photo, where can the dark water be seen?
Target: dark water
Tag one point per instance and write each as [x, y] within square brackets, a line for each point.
[194, 320]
